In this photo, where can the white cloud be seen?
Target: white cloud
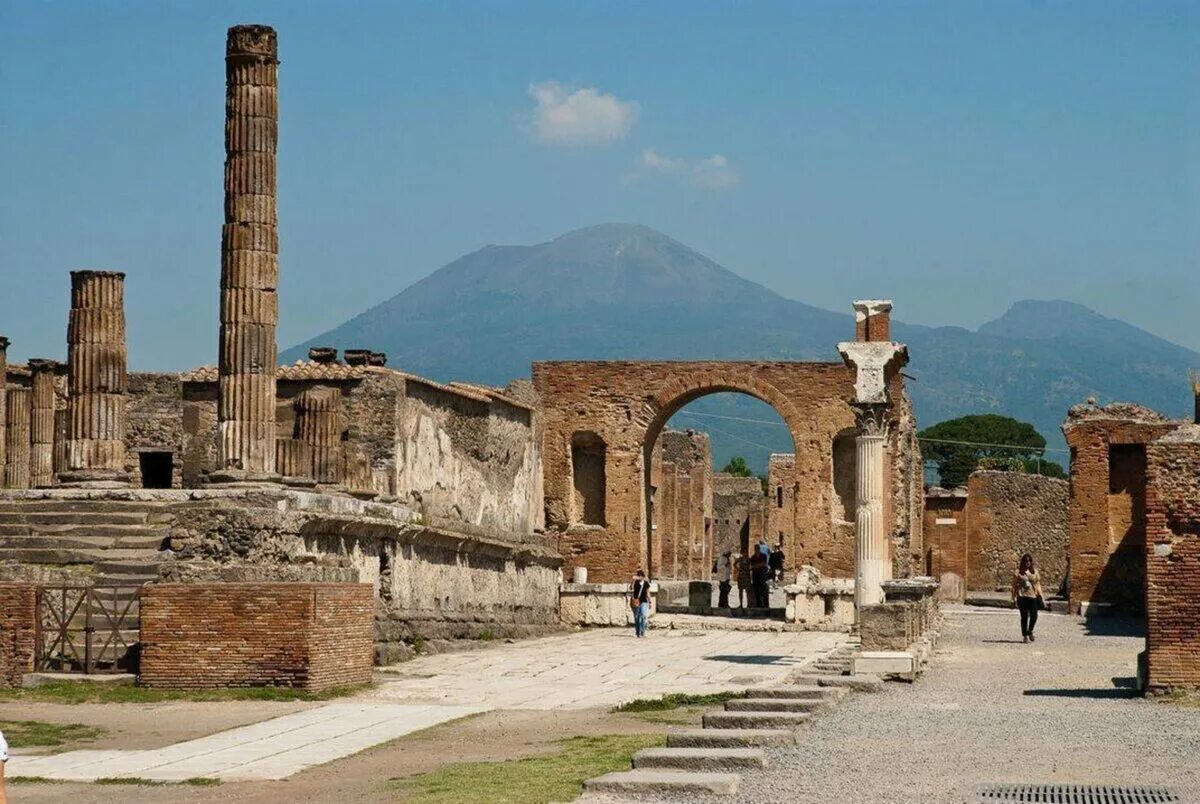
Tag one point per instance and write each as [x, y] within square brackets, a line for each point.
[583, 117]
[713, 172]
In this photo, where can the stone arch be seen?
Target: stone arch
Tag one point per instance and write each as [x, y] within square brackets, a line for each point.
[678, 390]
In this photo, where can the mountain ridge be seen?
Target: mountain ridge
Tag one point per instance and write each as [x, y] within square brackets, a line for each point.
[626, 291]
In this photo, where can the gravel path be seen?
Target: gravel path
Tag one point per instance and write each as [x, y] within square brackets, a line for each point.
[991, 709]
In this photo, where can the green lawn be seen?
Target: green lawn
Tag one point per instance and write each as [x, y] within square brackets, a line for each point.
[72, 692]
[25, 733]
[533, 780]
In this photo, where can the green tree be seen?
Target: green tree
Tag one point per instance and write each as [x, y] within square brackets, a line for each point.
[737, 467]
[960, 446]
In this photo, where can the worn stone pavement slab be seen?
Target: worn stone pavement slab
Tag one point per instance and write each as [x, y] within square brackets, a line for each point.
[272, 749]
[604, 667]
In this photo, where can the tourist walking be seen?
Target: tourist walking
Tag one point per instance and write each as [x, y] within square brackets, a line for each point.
[741, 565]
[760, 572]
[639, 601]
[776, 563]
[723, 569]
[1027, 594]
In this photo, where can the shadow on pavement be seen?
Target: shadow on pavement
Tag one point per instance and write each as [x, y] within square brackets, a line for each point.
[751, 659]
[1105, 693]
[1114, 625]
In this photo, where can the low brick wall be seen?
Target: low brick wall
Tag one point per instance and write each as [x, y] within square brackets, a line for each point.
[307, 635]
[18, 622]
[1173, 562]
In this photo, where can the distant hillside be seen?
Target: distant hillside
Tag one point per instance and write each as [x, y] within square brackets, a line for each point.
[626, 291]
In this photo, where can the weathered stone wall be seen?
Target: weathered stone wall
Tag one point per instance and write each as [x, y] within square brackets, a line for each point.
[18, 624]
[154, 419]
[682, 536]
[945, 534]
[734, 500]
[304, 635]
[468, 458]
[1106, 511]
[1009, 514]
[781, 497]
[1173, 561]
[627, 403]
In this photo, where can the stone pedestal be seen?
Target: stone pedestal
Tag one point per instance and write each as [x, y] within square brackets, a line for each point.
[95, 453]
[246, 447]
[41, 423]
[16, 434]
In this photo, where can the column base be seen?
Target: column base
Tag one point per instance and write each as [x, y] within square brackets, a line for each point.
[94, 479]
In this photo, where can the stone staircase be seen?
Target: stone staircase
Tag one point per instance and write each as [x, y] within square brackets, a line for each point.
[708, 760]
[98, 541]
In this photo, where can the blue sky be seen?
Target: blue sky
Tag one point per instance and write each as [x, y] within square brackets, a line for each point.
[955, 156]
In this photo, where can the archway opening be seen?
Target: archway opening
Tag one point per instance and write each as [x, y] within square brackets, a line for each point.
[719, 481]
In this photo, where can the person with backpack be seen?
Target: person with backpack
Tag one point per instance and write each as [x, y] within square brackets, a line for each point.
[1027, 594]
[760, 572]
[639, 601]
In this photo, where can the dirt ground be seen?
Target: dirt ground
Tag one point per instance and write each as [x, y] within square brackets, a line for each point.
[492, 736]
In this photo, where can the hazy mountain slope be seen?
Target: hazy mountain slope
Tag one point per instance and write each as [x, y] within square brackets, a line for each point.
[625, 291]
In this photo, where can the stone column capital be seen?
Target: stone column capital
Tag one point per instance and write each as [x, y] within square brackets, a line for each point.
[870, 418]
[865, 308]
[873, 361]
[37, 365]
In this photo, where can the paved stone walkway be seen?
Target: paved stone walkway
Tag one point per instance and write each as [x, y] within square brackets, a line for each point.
[597, 668]
[272, 749]
[604, 667]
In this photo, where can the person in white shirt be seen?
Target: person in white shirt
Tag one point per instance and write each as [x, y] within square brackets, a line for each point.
[724, 573]
[3, 762]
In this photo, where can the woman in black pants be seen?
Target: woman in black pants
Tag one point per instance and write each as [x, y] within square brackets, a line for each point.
[1027, 593]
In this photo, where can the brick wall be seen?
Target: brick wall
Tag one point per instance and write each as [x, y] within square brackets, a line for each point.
[1105, 525]
[18, 617]
[1173, 561]
[306, 635]
[945, 534]
[627, 404]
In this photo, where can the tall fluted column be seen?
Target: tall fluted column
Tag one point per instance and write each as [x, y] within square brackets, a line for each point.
[96, 380]
[874, 363]
[41, 423]
[3, 398]
[249, 260]
[60, 441]
[16, 461]
[319, 424]
[871, 566]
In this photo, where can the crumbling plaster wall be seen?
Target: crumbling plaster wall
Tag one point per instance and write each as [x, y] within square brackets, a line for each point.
[1010, 514]
[154, 422]
[734, 500]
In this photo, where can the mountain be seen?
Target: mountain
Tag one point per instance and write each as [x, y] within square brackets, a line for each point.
[626, 291]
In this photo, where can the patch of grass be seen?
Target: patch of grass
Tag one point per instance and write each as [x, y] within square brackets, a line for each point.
[1181, 699]
[33, 780]
[137, 780]
[532, 780]
[683, 716]
[202, 781]
[74, 692]
[674, 701]
[24, 733]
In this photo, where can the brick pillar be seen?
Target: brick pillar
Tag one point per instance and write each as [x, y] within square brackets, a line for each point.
[319, 424]
[249, 261]
[16, 434]
[872, 320]
[96, 380]
[3, 398]
[41, 423]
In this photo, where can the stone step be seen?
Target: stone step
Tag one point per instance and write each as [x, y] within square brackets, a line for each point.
[70, 531]
[75, 506]
[146, 564]
[68, 556]
[132, 579]
[135, 540]
[830, 668]
[657, 782]
[729, 738]
[700, 759]
[858, 683]
[777, 705]
[754, 720]
[51, 518]
[799, 692]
